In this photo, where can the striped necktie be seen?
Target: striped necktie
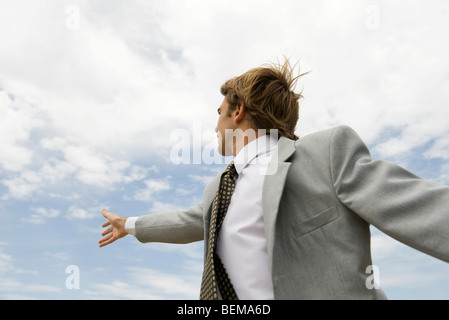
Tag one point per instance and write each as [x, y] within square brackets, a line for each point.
[215, 276]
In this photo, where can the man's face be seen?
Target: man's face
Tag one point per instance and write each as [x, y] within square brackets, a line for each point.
[225, 137]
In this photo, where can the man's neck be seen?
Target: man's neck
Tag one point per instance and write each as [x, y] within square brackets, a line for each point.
[239, 142]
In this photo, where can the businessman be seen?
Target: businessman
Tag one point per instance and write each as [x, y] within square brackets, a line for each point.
[290, 218]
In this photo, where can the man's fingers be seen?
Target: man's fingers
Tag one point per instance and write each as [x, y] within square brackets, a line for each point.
[115, 222]
[109, 230]
[107, 215]
[106, 240]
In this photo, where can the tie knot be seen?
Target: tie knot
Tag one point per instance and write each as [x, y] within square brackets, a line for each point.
[231, 170]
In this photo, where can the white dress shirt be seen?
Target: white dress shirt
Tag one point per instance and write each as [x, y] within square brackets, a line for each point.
[241, 243]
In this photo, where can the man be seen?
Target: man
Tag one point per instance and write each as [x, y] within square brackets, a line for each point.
[289, 218]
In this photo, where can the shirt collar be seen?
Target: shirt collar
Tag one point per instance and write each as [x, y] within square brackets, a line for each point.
[255, 148]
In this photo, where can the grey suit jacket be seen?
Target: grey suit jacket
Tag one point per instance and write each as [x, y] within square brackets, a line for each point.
[317, 210]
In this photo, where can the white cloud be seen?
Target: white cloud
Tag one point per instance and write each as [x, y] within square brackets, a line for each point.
[383, 246]
[115, 83]
[158, 206]
[40, 215]
[193, 251]
[148, 284]
[439, 149]
[444, 175]
[403, 267]
[186, 287]
[126, 67]
[16, 122]
[47, 213]
[121, 290]
[71, 197]
[88, 166]
[202, 179]
[17, 297]
[75, 212]
[5, 262]
[138, 173]
[58, 256]
[9, 287]
[151, 187]
[93, 168]
[408, 276]
[96, 86]
[61, 160]
[22, 186]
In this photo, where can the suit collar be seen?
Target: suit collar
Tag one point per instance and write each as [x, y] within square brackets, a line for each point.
[286, 148]
[271, 193]
[257, 147]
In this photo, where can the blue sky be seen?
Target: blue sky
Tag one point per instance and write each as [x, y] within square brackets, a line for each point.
[93, 92]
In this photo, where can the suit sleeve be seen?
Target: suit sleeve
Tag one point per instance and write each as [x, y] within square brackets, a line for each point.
[179, 226]
[412, 210]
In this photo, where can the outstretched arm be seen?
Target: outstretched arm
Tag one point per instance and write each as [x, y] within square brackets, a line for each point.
[408, 208]
[116, 229]
[178, 226]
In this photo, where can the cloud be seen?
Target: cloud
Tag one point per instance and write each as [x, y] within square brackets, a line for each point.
[56, 161]
[148, 284]
[75, 212]
[151, 187]
[91, 167]
[16, 122]
[383, 246]
[403, 267]
[158, 206]
[113, 84]
[167, 284]
[22, 186]
[96, 85]
[444, 176]
[58, 256]
[9, 287]
[408, 276]
[18, 297]
[202, 179]
[439, 149]
[125, 67]
[5, 262]
[80, 167]
[120, 290]
[41, 215]
[193, 251]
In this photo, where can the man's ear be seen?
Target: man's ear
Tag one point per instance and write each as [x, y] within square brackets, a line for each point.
[239, 112]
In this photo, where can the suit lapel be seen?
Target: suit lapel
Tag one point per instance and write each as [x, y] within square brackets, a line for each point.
[273, 188]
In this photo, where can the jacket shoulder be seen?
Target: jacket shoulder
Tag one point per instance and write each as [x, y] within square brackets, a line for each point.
[324, 135]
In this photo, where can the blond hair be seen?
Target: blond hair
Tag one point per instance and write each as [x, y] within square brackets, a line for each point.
[268, 96]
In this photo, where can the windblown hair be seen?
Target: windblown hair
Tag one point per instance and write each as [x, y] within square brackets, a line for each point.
[268, 96]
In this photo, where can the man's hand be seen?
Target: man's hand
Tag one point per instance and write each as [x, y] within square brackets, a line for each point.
[116, 231]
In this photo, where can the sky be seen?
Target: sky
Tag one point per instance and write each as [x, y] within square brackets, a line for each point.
[95, 97]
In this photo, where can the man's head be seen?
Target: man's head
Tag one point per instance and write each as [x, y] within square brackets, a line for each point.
[261, 98]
